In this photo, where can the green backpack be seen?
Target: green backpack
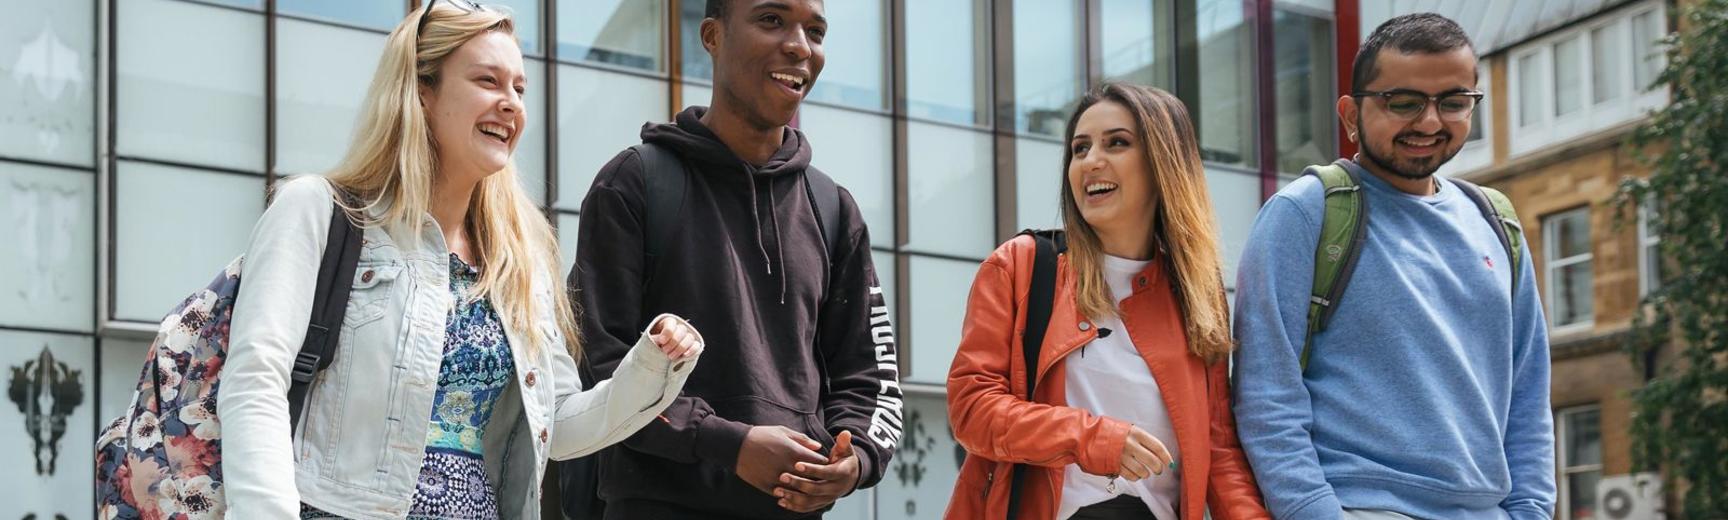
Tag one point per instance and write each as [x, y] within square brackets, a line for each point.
[1344, 230]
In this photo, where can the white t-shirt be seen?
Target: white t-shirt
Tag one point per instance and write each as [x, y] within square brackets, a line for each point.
[1108, 377]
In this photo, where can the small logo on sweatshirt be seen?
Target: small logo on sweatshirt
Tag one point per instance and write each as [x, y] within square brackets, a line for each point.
[1488, 259]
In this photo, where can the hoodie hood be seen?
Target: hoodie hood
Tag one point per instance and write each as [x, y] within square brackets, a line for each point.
[695, 142]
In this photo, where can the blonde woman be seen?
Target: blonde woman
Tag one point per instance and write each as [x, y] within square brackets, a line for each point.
[1130, 413]
[453, 382]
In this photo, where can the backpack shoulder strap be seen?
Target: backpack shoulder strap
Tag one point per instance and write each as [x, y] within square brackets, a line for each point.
[1343, 231]
[824, 197]
[1040, 299]
[664, 176]
[329, 305]
[1497, 209]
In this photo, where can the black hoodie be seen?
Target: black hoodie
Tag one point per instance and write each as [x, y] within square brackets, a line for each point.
[794, 338]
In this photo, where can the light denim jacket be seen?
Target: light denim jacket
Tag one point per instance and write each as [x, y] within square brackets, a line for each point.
[362, 439]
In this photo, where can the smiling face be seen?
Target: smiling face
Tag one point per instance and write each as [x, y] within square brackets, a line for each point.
[1108, 173]
[1411, 148]
[475, 110]
[767, 56]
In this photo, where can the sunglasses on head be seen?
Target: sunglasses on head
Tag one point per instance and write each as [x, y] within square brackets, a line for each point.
[465, 5]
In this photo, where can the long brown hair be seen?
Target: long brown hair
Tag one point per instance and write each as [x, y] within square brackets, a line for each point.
[1182, 228]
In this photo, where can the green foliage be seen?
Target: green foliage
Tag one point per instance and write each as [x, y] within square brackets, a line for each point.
[1681, 423]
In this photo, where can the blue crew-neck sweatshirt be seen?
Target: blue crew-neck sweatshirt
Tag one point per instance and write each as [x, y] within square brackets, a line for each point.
[1427, 394]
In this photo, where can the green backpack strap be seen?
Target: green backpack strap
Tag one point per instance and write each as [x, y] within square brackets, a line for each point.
[1343, 231]
[1497, 209]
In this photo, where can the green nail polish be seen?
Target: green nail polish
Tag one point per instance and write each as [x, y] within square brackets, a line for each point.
[1172, 464]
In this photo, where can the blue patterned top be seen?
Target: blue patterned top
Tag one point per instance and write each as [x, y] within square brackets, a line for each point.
[476, 371]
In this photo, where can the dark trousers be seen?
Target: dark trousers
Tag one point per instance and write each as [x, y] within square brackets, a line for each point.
[1123, 507]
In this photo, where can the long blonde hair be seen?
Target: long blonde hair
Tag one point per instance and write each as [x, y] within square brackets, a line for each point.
[393, 160]
[1182, 228]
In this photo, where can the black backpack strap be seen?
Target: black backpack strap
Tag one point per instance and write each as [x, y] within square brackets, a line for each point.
[664, 176]
[1040, 299]
[329, 305]
[824, 197]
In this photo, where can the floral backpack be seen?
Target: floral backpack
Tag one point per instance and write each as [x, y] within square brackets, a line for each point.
[163, 458]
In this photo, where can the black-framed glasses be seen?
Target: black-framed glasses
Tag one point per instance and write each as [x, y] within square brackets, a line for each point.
[1410, 104]
[465, 5]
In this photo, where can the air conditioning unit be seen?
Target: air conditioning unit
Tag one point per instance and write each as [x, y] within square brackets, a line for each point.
[1630, 497]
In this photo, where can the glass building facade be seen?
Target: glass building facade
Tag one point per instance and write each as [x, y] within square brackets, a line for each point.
[138, 139]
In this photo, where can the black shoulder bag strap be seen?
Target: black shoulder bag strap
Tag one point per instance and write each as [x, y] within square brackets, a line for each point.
[329, 304]
[664, 177]
[824, 197]
[1040, 298]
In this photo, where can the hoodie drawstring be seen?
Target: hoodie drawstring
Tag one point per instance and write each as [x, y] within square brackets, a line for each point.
[755, 217]
[774, 219]
[779, 246]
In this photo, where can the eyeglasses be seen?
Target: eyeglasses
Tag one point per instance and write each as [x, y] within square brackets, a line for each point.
[465, 5]
[1411, 104]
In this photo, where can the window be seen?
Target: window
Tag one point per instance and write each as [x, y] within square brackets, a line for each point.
[531, 149]
[952, 191]
[120, 361]
[375, 15]
[568, 225]
[621, 33]
[70, 442]
[1647, 29]
[1606, 80]
[1580, 461]
[1048, 77]
[1478, 148]
[856, 149]
[885, 271]
[1303, 75]
[1649, 249]
[947, 69]
[1227, 131]
[856, 46]
[178, 60]
[322, 73]
[1038, 183]
[595, 123]
[696, 62]
[1567, 259]
[1235, 201]
[1132, 49]
[1582, 79]
[1529, 90]
[926, 464]
[48, 82]
[167, 242]
[1568, 70]
[525, 15]
[50, 236]
[940, 288]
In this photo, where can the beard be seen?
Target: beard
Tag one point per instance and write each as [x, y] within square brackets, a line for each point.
[1408, 168]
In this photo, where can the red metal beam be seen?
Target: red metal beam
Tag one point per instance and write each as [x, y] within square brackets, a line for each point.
[1347, 19]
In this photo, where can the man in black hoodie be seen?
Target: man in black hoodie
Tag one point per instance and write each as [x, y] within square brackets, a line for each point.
[796, 402]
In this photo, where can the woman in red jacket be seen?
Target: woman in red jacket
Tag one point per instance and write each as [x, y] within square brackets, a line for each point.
[1131, 412]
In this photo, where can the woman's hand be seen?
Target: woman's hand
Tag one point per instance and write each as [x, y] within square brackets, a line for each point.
[676, 338]
[1143, 456]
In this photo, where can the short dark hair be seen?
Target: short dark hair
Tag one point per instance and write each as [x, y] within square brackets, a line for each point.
[716, 9]
[1425, 33]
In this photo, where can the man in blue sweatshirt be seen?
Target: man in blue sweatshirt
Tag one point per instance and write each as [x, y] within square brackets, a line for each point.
[1426, 395]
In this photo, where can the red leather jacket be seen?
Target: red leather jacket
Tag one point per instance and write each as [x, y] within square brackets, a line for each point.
[999, 428]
